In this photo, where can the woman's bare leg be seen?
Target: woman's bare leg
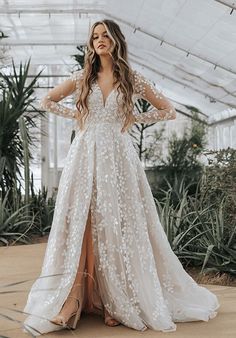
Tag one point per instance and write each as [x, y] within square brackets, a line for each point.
[80, 273]
[90, 262]
[71, 304]
[90, 265]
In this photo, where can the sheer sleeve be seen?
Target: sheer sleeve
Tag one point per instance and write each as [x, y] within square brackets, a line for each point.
[66, 88]
[162, 107]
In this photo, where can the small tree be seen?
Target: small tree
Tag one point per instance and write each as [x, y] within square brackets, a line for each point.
[154, 148]
[140, 134]
[182, 162]
[219, 180]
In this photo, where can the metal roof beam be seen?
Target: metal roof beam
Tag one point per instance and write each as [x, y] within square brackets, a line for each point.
[102, 12]
[184, 84]
[233, 6]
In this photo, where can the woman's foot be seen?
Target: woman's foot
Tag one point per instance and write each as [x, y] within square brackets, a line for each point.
[71, 310]
[109, 321]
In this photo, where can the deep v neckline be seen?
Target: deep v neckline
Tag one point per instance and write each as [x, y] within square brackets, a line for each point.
[104, 101]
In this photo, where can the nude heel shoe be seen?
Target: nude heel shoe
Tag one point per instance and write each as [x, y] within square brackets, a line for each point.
[74, 317]
[108, 319]
[73, 320]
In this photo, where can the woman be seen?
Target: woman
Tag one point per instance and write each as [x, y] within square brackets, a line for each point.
[107, 252]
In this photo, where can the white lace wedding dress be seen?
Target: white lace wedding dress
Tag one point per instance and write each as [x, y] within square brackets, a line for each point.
[136, 274]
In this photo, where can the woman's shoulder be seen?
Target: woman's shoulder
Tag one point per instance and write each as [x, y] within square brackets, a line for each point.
[137, 76]
[138, 81]
[77, 74]
[134, 71]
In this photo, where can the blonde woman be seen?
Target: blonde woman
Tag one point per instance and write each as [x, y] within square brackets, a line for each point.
[107, 252]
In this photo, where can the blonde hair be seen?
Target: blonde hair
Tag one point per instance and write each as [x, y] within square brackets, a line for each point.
[122, 73]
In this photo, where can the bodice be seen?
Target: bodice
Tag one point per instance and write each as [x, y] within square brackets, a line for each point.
[100, 112]
[111, 110]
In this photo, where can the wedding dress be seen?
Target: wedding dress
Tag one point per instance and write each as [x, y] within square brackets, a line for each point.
[136, 274]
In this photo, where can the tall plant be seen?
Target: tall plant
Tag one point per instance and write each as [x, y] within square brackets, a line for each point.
[219, 180]
[198, 229]
[16, 99]
[183, 155]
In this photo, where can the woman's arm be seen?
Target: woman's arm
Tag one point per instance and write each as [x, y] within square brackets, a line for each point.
[66, 88]
[163, 109]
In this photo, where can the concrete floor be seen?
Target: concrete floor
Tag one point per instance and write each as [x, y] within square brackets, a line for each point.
[23, 262]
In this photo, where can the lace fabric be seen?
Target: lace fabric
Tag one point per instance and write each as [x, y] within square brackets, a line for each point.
[143, 88]
[162, 108]
[50, 102]
[141, 282]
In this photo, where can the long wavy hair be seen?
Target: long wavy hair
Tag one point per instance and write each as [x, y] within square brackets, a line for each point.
[122, 73]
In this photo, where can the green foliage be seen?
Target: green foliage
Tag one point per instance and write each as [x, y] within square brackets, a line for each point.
[153, 153]
[182, 161]
[19, 216]
[201, 225]
[3, 35]
[220, 174]
[43, 209]
[16, 98]
[80, 56]
[19, 221]
[198, 230]
[15, 220]
[219, 180]
[2, 51]
[183, 152]
[141, 136]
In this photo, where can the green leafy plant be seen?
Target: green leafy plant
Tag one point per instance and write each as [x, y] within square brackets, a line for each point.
[15, 141]
[182, 161]
[15, 138]
[141, 135]
[79, 57]
[198, 231]
[43, 208]
[15, 221]
[219, 180]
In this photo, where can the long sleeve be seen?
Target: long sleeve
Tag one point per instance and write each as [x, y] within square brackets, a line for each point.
[66, 88]
[162, 107]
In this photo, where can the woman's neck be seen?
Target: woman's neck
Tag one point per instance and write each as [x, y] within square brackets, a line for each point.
[106, 65]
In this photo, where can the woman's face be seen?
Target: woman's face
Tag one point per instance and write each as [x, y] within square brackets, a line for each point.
[101, 41]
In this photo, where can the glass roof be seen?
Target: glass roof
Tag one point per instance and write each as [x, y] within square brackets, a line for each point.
[187, 47]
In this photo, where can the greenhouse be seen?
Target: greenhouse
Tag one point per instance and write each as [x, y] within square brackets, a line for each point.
[160, 190]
